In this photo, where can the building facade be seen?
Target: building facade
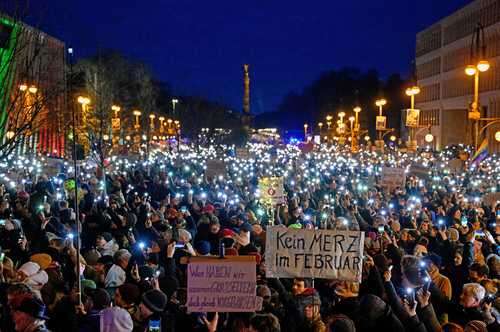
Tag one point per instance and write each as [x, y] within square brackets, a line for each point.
[442, 54]
[32, 89]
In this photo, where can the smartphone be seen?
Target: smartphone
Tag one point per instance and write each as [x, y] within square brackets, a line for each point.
[154, 326]
[380, 229]
[479, 234]
[183, 209]
[180, 246]
[463, 221]
[2, 222]
[2, 257]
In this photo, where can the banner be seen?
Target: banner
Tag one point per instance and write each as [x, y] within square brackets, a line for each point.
[223, 285]
[412, 117]
[215, 168]
[393, 177]
[272, 190]
[304, 253]
[380, 123]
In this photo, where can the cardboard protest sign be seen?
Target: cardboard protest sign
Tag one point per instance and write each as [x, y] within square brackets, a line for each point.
[491, 198]
[393, 177]
[419, 171]
[303, 253]
[215, 168]
[272, 190]
[242, 153]
[222, 285]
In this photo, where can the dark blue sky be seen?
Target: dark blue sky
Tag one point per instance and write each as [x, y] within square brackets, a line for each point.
[199, 45]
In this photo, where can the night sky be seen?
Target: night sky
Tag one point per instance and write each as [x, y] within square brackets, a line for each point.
[198, 46]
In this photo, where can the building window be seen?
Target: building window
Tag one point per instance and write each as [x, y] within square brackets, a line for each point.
[428, 40]
[428, 93]
[429, 117]
[428, 69]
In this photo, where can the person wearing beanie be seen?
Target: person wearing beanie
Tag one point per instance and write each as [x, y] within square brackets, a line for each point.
[31, 274]
[115, 320]
[311, 304]
[152, 306]
[127, 296]
[202, 248]
[43, 260]
[30, 316]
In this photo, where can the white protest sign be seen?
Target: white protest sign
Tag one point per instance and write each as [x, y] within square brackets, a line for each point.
[304, 253]
[393, 177]
[419, 171]
[222, 285]
[215, 168]
[272, 190]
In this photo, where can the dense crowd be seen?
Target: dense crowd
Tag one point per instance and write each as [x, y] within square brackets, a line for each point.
[430, 258]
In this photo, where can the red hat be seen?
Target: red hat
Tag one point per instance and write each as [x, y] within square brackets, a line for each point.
[209, 208]
[23, 195]
[226, 232]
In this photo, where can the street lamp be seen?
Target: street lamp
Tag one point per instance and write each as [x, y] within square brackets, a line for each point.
[105, 137]
[392, 138]
[10, 134]
[429, 138]
[137, 114]
[380, 104]
[174, 103]
[329, 119]
[497, 136]
[23, 87]
[320, 125]
[412, 92]
[116, 109]
[152, 118]
[305, 131]
[84, 101]
[33, 89]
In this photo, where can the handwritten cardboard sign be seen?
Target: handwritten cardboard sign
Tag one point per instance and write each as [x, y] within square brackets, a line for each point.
[303, 253]
[222, 285]
[393, 177]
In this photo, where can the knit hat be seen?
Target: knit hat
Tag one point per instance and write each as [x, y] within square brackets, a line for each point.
[116, 319]
[43, 260]
[226, 232]
[476, 326]
[209, 208]
[29, 268]
[155, 300]
[453, 234]
[203, 247]
[310, 297]
[33, 307]
[88, 283]
[130, 293]
[246, 227]
[342, 323]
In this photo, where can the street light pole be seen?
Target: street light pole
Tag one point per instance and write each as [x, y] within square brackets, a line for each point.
[412, 143]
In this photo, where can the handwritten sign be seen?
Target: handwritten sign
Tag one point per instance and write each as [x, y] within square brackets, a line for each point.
[393, 177]
[272, 190]
[222, 285]
[215, 168]
[303, 253]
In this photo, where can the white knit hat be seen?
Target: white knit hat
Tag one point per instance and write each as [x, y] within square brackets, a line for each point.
[29, 268]
[116, 319]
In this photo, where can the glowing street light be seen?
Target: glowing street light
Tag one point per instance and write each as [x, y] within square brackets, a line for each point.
[305, 131]
[429, 138]
[23, 87]
[392, 138]
[497, 136]
[33, 89]
[380, 103]
[116, 109]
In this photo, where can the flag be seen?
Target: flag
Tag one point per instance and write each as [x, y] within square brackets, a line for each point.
[481, 153]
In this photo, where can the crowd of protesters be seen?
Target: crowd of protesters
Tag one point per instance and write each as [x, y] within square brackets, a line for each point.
[430, 259]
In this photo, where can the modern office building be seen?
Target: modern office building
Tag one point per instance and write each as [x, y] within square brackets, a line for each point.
[442, 54]
[32, 81]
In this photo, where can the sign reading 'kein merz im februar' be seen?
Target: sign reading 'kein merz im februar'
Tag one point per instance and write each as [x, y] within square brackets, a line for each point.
[224, 285]
[327, 254]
